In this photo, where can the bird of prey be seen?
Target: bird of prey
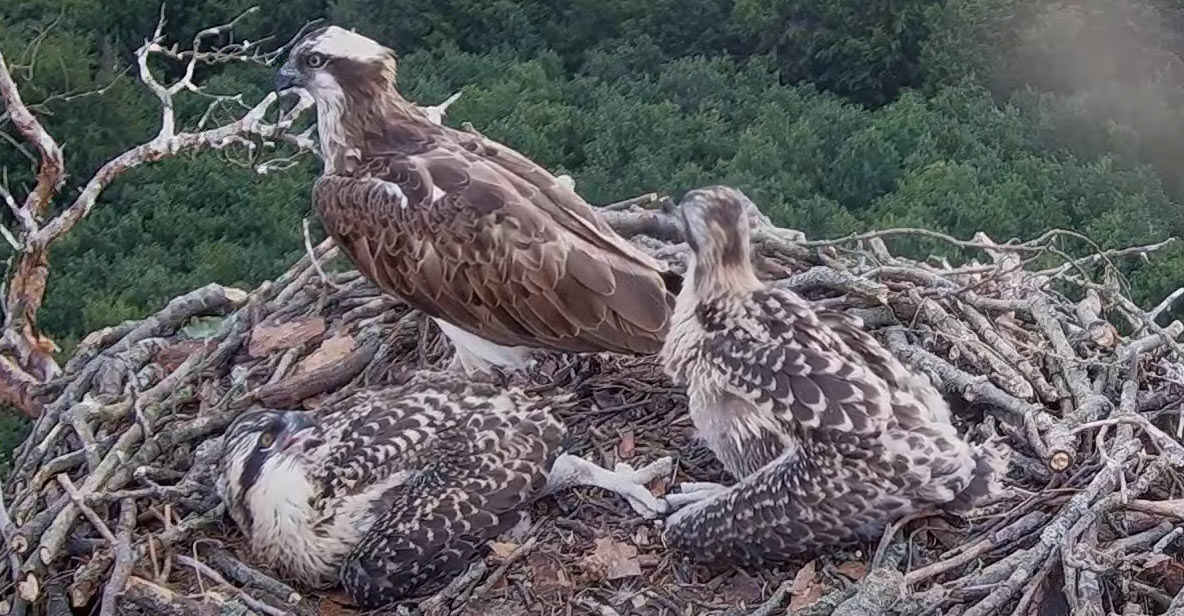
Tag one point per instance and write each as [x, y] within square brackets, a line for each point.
[828, 436]
[394, 490]
[503, 256]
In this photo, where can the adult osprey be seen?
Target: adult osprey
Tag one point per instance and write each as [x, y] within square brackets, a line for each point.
[395, 490]
[828, 435]
[503, 256]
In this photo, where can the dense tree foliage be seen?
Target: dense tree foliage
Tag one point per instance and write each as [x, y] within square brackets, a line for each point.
[835, 115]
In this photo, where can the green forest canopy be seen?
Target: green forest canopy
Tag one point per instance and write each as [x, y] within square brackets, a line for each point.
[834, 115]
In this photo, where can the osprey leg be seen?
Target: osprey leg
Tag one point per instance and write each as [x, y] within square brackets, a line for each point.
[784, 510]
[570, 471]
[693, 492]
[476, 356]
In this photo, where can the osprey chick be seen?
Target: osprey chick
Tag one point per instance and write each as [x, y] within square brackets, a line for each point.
[393, 491]
[504, 257]
[827, 434]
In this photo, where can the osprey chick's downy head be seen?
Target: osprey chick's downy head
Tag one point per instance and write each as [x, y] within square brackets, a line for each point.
[258, 444]
[715, 221]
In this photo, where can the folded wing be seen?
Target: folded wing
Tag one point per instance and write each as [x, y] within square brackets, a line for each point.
[453, 236]
[773, 354]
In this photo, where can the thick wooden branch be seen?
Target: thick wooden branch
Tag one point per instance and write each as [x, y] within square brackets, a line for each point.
[288, 393]
[1003, 346]
[51, 172]
[164, 146]
[122, 458]
[27, 355]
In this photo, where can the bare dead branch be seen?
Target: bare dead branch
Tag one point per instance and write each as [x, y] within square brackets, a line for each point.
[30, 362]
[1042, 371]
[1166, 304]
[8, 534]
[51, 173]
[122, 568]
[204, 570]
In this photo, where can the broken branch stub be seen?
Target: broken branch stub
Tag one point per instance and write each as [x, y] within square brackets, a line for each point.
[982, 333]
[26, 354]
[123, 453]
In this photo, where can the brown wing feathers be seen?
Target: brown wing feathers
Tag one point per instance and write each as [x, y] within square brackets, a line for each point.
[530, 178]
[494, 254]
[787, 369]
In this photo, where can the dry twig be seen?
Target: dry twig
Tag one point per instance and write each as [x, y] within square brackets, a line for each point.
[133, 418]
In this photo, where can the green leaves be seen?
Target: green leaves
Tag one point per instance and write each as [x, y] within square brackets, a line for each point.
[169, 228]
[867, 51]
[836, 116]
[202, 328]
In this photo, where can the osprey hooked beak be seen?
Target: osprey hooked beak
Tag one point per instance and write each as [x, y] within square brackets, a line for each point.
[298, 428]
[288, 77]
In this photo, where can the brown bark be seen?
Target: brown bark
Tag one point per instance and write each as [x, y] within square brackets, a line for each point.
[26, 354]
[28, 358]
[156, 444]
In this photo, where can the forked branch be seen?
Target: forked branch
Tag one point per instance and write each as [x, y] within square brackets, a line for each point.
[26, 356]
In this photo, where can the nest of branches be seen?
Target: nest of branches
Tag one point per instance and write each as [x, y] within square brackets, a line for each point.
[111, 508]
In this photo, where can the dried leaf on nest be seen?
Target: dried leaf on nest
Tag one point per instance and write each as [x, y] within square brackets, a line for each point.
[173, 355]
[627, 445]
[330, 607]
[807, 588]
[1167, 572]
[202, 328]
[945, 533]
[547, 576]
[742, 589]
[612, 560]
[503, 549]
[337, 597]
[804, 577]
[267, 339]
[854, 570]
[333, 349]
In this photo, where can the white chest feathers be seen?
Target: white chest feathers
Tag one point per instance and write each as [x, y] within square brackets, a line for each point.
[299, 535]
[680, 349]
[330, 119]
[743, 435]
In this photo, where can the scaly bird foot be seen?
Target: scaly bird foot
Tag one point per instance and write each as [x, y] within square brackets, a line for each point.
[693, 492]
[633, 482]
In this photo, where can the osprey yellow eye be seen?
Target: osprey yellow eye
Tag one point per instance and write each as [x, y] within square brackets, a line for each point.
[267, 439]
[315, 60]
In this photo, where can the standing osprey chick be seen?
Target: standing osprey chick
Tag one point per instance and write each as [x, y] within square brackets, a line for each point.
[827, 434]
[502, 255]
[393, 491]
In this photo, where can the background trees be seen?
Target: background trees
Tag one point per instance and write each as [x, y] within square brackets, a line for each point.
[836, 115]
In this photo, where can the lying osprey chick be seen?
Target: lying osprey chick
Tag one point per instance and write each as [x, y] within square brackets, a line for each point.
[393, 491]
[503, 256]
[828, 435]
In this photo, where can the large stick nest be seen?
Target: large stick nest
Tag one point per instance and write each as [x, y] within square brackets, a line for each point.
[111, 505]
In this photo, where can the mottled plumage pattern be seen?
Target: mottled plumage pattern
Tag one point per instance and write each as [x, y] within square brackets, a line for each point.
[464, 228]
[462, 240]
[829, 436]
[395, 490]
